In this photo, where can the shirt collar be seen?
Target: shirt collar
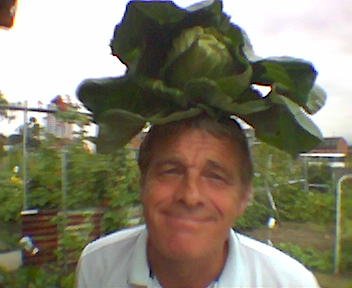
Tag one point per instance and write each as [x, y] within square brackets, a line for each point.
[139, 272]
[232, 270]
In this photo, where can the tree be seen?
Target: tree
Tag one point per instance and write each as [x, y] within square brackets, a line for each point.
[3, 102]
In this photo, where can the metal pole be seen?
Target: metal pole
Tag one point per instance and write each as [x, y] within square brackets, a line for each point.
[305, 176]
[24, 160]
[64, 178]
[337, 248]
[64, 185]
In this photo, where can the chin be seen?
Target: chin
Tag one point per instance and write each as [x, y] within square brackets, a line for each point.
[181, 252]
[185, 246]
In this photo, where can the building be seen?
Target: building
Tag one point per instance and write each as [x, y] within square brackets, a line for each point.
[56, 126]
[332, 150]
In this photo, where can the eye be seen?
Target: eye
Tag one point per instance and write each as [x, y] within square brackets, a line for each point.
[216, 177]
[171, 171]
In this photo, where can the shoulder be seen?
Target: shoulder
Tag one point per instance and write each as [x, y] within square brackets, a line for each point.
[274, 263]
[116, 240]
[105, 262]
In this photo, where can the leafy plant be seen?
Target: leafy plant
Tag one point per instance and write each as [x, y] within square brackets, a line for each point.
[346, 239]
[11, 194]
[184, 62]
[294, 204]
[256, 215]
[310, 257]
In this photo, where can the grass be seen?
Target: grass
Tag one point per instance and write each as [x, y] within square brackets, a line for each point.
[307, 235]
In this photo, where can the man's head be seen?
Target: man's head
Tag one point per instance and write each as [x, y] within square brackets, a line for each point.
[225, 128]
[196, 177]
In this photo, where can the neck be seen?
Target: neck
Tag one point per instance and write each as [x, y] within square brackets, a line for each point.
[190, 273]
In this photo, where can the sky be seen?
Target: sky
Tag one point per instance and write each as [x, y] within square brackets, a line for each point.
[56, 44]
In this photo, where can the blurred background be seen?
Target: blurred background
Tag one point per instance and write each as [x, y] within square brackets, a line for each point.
[57, 194]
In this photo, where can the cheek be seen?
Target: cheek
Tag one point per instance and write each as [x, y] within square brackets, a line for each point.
[229, 206]
[153, 195]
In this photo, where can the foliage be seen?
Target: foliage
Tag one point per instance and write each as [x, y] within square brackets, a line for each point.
[320, 174]
[256, 215]
[184, 62]
[310, 257]
[49, 276]
[3, 101]
[72, 116]
[294, 204]
[11, 195]
[279, 175]
[32, 135]
[111, 177]
[274, 168]
[126, 195]
[346, 239]
[44, 173]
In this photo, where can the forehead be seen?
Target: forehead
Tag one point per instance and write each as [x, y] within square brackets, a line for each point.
[196, 145]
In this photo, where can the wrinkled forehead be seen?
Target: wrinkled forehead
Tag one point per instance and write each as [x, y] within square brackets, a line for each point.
[190, 139]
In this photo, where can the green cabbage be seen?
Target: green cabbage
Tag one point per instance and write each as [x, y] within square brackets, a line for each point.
[183, 62]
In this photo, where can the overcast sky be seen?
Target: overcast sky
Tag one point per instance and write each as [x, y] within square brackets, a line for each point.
[55, 44]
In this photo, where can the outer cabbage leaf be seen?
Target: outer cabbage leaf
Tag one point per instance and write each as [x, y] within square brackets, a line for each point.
[141, 23]
[126, 93]
[286, 126]
[160, 119]
[116, 128]
[292, 77]
[316, 100]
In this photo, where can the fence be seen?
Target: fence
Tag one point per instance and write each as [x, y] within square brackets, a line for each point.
[47, 229]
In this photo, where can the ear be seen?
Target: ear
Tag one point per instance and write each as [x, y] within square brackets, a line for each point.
[245, 199]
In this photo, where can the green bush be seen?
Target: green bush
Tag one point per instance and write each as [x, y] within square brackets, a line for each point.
[309, 257]
[49, 276]
[11, 196]
[346, 237]
[294, 204]
[256, 214]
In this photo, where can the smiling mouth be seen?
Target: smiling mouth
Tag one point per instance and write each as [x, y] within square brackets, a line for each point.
[186, 218]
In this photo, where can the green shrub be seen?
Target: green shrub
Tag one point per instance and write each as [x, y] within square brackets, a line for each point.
[294, 204]
[312, 258]
[11, 196]
[256, 215]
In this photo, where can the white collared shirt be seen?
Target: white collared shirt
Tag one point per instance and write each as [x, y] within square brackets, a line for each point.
[120, 261]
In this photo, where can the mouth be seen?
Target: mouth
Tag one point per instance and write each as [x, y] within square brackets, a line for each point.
[184, 218]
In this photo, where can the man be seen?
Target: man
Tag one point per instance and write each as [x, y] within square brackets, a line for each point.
[195, 182]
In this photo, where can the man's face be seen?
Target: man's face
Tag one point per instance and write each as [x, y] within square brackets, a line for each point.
[192, 193]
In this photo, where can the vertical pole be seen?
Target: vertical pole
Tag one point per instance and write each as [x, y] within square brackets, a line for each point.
[305, 176]
[24, 155]
[64, 184]
[337, 248]
[64, 178]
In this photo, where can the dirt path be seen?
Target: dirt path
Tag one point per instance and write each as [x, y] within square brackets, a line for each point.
[303, 234]
[306, 235]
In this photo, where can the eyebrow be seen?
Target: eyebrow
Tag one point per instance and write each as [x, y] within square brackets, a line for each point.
[219, 167]
[168, 161]
[215, 165]
[176, 161]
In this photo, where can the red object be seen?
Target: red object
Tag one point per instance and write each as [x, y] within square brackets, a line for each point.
[60, 103]
[7, 12]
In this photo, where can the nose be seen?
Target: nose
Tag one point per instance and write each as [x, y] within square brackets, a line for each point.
[189, 192]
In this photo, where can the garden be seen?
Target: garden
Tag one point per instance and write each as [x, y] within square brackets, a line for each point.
[70, 179]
